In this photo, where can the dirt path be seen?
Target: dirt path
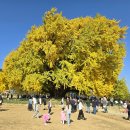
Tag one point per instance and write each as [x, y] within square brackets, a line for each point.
[17, 117]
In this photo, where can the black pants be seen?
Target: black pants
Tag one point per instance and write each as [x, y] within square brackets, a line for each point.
[49, 110]
[111, 103]
[128, 115]
[81, 115]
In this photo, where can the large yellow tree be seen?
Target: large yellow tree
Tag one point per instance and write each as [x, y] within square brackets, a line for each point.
[82, 53]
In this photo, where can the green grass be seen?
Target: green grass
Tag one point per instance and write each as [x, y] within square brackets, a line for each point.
[25, 101]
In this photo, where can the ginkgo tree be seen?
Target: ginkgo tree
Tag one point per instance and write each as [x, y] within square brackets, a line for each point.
[83, 53]
[2, 82]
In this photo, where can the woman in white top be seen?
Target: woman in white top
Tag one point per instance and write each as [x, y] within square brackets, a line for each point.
[81, 114]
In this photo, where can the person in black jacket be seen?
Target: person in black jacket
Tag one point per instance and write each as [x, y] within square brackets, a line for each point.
[94, 104]
[128, 107]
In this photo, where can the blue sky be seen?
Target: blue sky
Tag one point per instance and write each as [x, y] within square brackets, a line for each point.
[17, 17]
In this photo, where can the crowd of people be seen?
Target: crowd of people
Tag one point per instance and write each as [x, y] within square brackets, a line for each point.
[71, 105]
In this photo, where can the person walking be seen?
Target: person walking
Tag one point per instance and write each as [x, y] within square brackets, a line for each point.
[81, 114]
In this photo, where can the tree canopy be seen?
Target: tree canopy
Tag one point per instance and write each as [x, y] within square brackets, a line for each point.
[83, 54]
[121, 90]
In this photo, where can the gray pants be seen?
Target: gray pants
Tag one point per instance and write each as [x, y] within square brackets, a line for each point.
[36, 114]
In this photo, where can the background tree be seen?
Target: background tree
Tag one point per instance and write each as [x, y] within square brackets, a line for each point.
[121, 90]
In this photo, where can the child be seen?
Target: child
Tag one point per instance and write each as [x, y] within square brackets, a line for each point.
[63, 116]
[46, 118]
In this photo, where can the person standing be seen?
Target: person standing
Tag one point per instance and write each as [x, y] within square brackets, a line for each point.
[30, 104]
[1, 99]
[62, 101]
[97, 104]
[94, 105]
[34, 103]
[44, 103]
[101, 102]
[128, 108]
[40, 99]
[49, 106]
[81, 114]
[105, 104]
[88, 105]
[111, 101]
[36, 114]
[68, 112]
[72, 102]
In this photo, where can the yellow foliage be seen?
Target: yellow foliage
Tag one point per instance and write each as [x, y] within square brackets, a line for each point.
[2, 82]
[81, 53]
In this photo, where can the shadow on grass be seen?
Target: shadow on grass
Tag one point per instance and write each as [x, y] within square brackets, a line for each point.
[4, 109]
[71, 121]
[51, 113]
[125, 118]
